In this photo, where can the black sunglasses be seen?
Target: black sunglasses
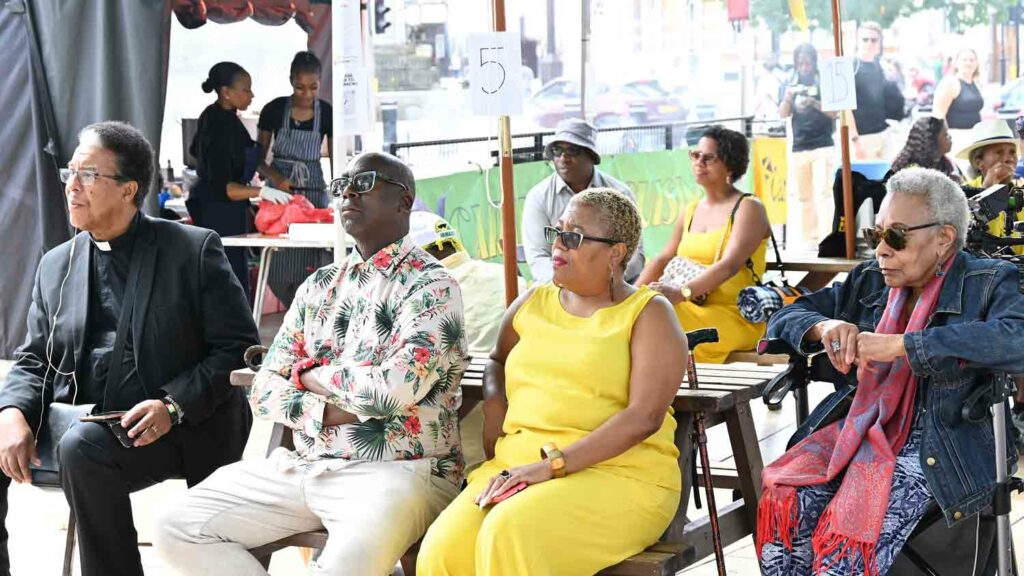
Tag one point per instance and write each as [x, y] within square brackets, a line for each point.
[360, 183]
[572, 240]
[895, 236]
[557, 150]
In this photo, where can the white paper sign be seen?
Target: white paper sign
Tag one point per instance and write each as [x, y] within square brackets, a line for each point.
[354, 99]
[495, 63]
[838, 88]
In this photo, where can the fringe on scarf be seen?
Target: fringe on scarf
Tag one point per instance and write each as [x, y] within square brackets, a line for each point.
[827, 543]
[777, 518]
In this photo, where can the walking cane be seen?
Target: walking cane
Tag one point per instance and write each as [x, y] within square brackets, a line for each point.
[694, 339]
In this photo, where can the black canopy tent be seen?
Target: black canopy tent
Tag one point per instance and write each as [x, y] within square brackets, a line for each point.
[66, 65]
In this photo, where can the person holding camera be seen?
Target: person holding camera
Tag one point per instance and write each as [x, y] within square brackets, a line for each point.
[921, 331]
[813, 151]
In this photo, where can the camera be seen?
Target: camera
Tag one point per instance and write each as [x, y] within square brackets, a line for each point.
[985, 205]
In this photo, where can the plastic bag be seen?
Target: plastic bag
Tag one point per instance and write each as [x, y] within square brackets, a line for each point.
[273, 219]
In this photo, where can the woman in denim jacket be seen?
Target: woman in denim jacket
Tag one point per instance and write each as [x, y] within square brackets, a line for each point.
[918, 329]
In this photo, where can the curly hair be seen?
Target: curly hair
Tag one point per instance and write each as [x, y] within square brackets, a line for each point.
[618, 215]
[732, 149]
[922, 147]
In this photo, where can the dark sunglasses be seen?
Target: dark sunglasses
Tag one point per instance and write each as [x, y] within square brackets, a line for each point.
[557, 150]
[360, 183]
[895, 236]
[572, 240]
[870, 40]
[703, 158]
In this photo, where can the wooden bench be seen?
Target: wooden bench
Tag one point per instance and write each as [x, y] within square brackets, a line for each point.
[724, 396]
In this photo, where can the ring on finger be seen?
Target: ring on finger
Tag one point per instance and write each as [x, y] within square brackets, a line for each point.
[836, 345]
[505, 474]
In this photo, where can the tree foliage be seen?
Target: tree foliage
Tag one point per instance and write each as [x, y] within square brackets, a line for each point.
[961, 14]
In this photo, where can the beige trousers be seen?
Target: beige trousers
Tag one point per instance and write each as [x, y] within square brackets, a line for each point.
[811, 205]
[373, 511]
[873, 146]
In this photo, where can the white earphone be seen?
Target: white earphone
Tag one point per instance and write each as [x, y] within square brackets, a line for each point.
[49, 343]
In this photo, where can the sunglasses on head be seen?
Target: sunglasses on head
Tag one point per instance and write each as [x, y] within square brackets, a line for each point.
[558, 150]
[572, 240]
[698, 157]
[895, 236]
[360, 183]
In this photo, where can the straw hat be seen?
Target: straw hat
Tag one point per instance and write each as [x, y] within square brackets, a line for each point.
[987, 133]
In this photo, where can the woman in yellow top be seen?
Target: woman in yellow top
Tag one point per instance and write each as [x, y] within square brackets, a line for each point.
[577, 399]
[724, 232]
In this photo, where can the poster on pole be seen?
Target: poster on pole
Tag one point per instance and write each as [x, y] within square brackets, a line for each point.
[495, 78]
[350, 75]
[838, 87]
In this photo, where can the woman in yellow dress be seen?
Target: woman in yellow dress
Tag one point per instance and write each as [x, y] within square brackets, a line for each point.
[726, 231]
[577, 398]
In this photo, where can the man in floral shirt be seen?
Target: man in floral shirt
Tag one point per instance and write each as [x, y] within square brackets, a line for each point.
[365, 371]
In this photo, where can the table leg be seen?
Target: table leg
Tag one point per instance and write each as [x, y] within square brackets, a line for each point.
[684, 442]
[747, 453]
[266, 255]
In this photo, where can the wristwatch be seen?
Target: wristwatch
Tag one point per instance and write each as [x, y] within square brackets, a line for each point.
[553, 455]
[686, 292]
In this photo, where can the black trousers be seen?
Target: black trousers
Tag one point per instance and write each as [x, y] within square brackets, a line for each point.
[97, 475]
[5, 559]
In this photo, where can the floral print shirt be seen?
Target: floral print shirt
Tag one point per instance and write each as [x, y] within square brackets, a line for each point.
[390, 333]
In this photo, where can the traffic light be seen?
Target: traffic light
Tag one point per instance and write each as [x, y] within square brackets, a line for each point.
[380, 22]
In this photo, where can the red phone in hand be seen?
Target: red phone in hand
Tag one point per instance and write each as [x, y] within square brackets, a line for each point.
[509, 493]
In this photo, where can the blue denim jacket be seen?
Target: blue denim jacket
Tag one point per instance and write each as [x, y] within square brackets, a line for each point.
[975, 334]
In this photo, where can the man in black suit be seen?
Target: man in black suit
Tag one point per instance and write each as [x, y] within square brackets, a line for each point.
[132, 314]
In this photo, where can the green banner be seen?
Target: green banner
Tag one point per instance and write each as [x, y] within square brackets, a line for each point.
[662, 182]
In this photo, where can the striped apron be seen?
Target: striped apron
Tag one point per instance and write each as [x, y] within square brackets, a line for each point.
[297, 157]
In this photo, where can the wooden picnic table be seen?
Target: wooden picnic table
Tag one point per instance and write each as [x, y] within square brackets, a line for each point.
[820, 271]
[724, 396]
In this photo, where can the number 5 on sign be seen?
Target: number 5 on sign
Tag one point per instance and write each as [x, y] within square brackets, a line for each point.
[495, 61]
[838, 88]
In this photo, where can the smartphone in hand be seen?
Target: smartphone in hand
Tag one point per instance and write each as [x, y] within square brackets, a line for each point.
[113, 422]
[509, 493]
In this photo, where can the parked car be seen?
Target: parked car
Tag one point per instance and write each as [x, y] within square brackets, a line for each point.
[632, 103]
[1011, 100]
[649, 103]
[560, 99]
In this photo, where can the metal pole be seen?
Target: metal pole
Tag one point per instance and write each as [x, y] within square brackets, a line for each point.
[1002, 520]
[844, 141]
[508, 201]
[584, 46]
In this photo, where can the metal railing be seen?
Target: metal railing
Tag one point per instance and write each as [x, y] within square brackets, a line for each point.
[483, 151]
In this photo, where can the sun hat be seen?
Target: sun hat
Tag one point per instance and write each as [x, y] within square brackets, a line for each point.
[987, 133]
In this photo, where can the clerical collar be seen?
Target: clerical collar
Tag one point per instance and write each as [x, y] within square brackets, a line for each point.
[121, 242]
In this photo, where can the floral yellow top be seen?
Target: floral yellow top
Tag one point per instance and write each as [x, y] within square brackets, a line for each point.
[391, 333]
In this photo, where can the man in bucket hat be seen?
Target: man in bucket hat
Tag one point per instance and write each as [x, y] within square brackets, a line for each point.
[573, 152]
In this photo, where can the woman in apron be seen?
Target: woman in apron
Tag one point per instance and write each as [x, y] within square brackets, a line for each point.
[227, 160]
[297, 124]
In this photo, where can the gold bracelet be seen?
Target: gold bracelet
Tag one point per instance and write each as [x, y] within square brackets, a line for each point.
[555, 458]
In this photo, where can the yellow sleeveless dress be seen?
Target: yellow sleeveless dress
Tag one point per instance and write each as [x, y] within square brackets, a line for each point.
[565, 377]
[719, 310]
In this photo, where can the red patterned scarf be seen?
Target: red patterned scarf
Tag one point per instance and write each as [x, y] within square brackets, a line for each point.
[864, 445]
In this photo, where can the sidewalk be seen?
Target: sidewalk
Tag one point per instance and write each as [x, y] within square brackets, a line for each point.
[37, 520]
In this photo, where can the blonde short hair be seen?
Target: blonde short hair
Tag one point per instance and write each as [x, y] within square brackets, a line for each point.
[617, 213]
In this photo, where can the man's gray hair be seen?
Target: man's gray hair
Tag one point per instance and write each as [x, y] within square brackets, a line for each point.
[946, 202]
